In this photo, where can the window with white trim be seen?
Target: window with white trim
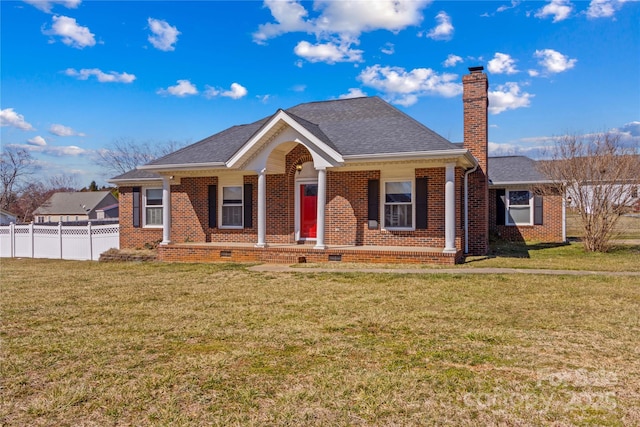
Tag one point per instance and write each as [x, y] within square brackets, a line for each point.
[519, 207]
[398, 205]
[153, 207]
[232, 207]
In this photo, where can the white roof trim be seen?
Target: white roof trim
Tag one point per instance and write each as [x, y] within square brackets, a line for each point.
[134, 180]
[542, 181]
[439, 154]
[182, 166]
[281, 115]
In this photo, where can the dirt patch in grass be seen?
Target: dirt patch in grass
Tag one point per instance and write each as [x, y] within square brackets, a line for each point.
[214, 344]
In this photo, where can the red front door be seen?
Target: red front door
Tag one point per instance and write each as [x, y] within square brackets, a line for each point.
[308, 210]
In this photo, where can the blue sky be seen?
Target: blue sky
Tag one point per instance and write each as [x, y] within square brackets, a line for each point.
[79, 75]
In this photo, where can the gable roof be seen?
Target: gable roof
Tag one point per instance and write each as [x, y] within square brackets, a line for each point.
[136, 175]
[355, 126]
[74, 203]
[514, 170]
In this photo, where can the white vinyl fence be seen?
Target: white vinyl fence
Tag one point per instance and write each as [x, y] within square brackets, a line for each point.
[84, 242]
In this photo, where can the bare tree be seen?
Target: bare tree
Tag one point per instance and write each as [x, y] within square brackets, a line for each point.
[597, 173]
[16, 164]
[63, 182]
[126, 154]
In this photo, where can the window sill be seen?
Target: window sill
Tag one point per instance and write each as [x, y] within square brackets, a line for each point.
[231, 227]
[398, 229]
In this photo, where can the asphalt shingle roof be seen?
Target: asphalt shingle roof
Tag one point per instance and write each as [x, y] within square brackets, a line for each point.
[366, 125]
[77, 203]
[137, 174]
[513, 169]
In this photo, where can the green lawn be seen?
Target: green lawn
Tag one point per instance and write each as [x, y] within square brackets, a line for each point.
[88, 343]
[526, 255]
[627, 227]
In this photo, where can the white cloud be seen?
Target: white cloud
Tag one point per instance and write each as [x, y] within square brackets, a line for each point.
[533, 73]
[47, 5]
[354, 92]
[388, 49]
[182, 89]
[404, 87]
[553, 61]
[452, 60]
[604, 8]
[72, 34]
[102, 77]
[502, 64]
[629, 134]
[61, 130]
[299, 88]
[347, 17]
[163, 36]
[290, 17]
[58, 151]
[8, 117]
[514, 3]
[327, 52]
[237, 91]
[508, 97]
[338, 24]
[559, 9]
[37, 140]
[632, 128]
[444, 29]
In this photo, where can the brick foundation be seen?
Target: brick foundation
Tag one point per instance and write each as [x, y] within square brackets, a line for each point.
[302, 253]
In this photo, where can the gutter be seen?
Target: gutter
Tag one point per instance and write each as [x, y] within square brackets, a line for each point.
[183, 166]
[466, 206]
[439, 154]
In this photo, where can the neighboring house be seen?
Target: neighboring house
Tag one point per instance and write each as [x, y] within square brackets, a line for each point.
[351, 180]
[621, 195]
[7, 217]
[516, 212]
[108, 212]
[77, 206]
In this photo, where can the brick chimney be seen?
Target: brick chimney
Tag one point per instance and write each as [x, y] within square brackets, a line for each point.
[475, 100]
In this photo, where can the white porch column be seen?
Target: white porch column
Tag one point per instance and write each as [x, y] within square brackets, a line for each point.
[262, 209]
[450, 208]
[166, 210]
[322, 200]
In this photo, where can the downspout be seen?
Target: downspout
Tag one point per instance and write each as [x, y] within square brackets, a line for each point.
[466, 206]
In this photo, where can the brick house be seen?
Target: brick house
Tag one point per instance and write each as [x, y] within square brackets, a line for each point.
[350, 180]
[516, 212]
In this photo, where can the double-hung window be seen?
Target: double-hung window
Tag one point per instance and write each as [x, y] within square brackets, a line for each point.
[519, 207]
[398, 204]
[232, 207]
[153, 207]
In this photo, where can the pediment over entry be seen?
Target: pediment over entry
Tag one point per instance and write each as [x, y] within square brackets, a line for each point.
[267, 148]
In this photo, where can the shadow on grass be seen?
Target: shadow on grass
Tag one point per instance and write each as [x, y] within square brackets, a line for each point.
[507, 249]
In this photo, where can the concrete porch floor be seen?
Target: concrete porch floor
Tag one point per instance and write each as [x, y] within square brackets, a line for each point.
[300, 253]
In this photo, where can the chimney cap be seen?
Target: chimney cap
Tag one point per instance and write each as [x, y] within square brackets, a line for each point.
[474, 70]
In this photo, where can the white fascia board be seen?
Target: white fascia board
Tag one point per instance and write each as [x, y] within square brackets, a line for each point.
[182, 166]
[133, 181]
[462, 153]
[510, 183]
[281, 115]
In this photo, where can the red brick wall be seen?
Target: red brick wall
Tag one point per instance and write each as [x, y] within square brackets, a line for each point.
[475, 103]
[134, 237]
[346, 211]
[549, 232]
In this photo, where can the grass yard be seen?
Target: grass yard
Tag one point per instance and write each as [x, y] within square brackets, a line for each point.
[627, 227]
[87, 343]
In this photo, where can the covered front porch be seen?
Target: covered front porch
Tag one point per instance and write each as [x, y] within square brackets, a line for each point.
[303, 253]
